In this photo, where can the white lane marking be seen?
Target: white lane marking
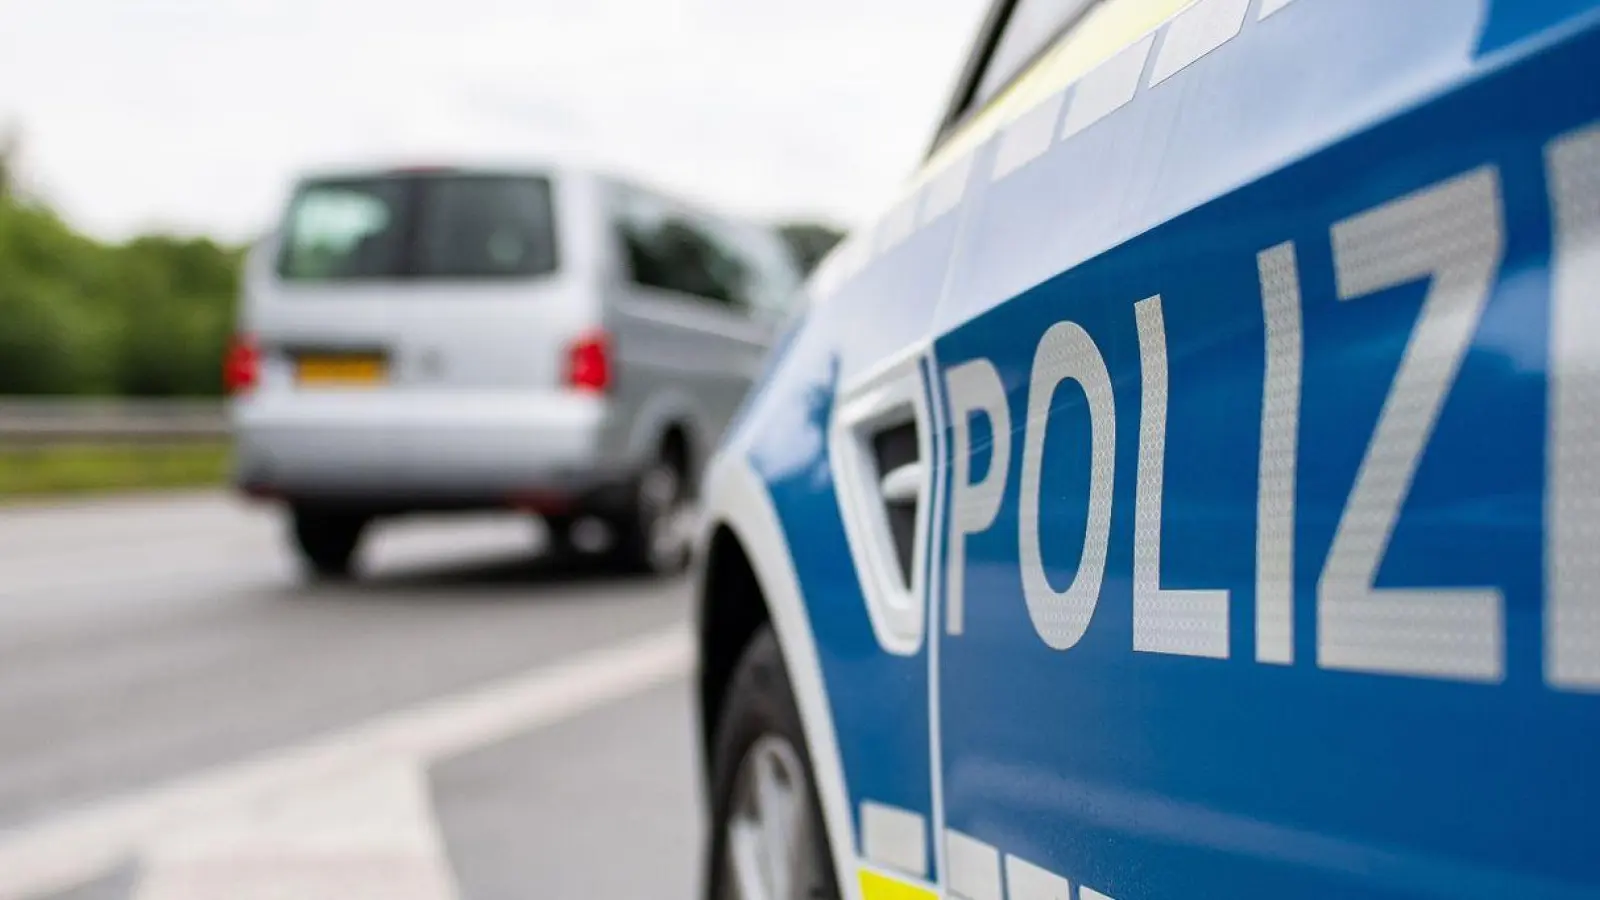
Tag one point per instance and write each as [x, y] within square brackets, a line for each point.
[366, 833]
[60, 853]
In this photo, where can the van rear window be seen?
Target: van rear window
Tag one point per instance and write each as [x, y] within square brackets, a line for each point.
[419, 226]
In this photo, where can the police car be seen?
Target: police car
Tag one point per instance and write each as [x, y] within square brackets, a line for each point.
[1191, 486]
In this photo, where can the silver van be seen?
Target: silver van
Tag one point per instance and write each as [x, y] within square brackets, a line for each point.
[533, 337]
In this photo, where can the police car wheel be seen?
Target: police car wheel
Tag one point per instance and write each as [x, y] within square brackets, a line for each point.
[768, 840]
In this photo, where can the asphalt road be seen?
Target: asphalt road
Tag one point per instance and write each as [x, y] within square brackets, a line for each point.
[182, 715]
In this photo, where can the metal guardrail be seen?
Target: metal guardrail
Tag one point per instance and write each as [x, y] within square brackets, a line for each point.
[31, 421]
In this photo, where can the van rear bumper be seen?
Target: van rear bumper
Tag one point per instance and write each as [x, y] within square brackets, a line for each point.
[418, 450]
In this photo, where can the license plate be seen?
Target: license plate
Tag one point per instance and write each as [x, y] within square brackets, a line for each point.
[341, 371]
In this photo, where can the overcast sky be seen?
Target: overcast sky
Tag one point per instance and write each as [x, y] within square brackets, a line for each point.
[191, 115]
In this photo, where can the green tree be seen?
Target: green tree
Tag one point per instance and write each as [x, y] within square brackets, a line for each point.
[149, 317]
[9, 144]
[40, 349]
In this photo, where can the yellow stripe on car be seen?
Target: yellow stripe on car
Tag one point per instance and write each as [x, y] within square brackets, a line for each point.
[877, 886]
[1107, 29]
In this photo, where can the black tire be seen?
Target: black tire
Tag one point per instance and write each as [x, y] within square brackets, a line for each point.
[558, 535]
[327, 540]
[637, 547]
[760, 706]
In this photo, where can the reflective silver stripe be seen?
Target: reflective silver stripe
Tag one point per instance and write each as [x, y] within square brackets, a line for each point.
[1268, 7]
[974, 867]
[1028, 137]
[945, 191]
[894, 838]
[897, 225]
[1109, 87]
[1195, 32]
[1026, 881]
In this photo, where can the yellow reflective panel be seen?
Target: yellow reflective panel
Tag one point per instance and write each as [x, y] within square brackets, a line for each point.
[877, 886]
[1106, 29]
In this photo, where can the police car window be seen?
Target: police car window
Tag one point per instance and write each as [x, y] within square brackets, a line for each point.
[1031, 28]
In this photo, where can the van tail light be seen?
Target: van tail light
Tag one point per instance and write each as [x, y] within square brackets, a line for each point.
[589, 363]
[241, 367]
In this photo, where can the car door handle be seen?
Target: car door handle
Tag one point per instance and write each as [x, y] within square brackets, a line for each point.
[881, 423]
[904, 484]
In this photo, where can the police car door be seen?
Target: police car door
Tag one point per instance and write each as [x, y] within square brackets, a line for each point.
[1266, 548]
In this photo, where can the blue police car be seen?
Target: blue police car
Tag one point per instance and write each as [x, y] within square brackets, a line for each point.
[1191, 486]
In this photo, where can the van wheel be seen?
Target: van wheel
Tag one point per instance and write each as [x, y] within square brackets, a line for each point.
[558, 535]
[327, 541]
[652, 536]
[768, 838]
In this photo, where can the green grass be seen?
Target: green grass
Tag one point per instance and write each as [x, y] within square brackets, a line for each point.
[55, 470]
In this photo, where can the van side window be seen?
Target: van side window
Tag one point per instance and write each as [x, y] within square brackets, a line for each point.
[669, 250]
[774, 281]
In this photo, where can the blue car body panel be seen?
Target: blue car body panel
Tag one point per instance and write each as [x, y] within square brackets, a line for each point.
[1154, 775]
[891, 306]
